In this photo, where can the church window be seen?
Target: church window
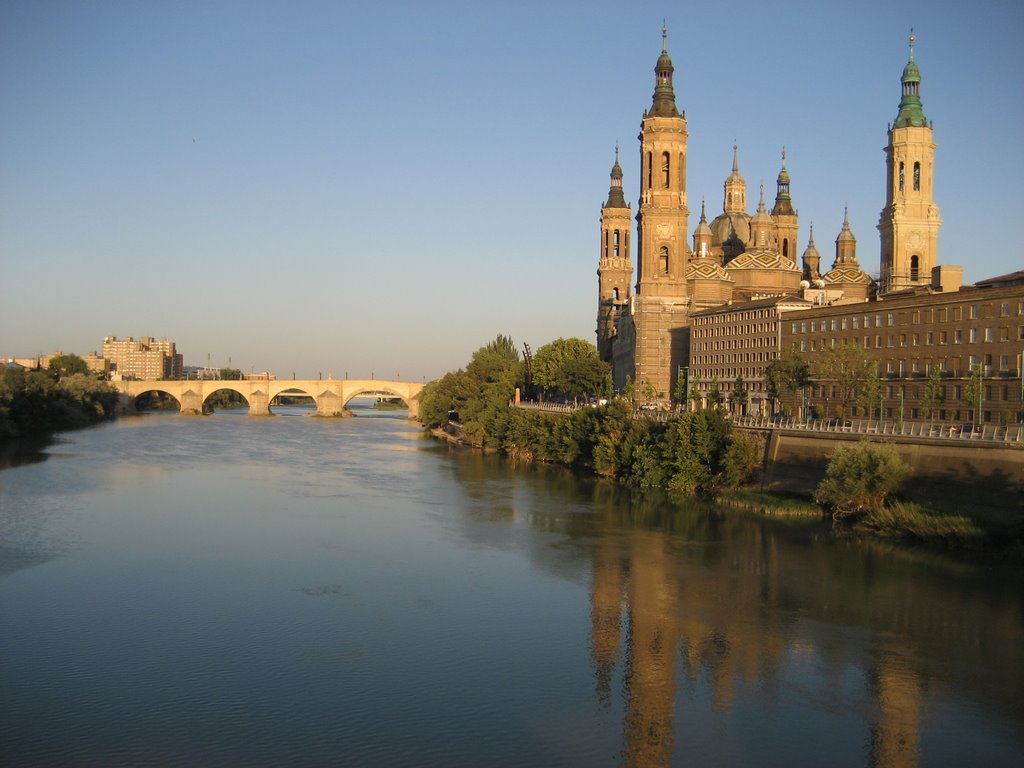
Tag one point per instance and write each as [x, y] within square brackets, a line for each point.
[649, 171]
[785, 247]
[914, 267]
[663, 257]
[917, 177]
[901, 177]
[664, 170]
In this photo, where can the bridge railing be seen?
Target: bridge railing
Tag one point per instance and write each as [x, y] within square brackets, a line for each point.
[1012, 434]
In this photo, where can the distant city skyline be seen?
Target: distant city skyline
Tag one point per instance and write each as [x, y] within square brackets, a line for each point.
[331, 188]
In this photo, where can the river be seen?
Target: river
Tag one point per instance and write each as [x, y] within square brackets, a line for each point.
[299, 591]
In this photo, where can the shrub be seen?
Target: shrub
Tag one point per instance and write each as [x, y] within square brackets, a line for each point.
[859, 478]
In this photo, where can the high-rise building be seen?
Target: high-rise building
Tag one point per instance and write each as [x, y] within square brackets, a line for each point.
[143, 358]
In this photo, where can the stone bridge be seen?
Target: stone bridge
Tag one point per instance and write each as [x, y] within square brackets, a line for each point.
[330, 395]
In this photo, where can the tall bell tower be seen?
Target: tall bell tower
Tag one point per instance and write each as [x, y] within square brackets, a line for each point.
[615, 268]
[909, 223]
[660, 310]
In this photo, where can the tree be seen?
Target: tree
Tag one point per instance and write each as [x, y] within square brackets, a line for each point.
[230, 374]
[62, 366]
[738, 398]
[569, 367]
[972, 393]
[847, 367]
[859, 478]
[932, 393]
[870, 396]
[715, 395]
[788, 373]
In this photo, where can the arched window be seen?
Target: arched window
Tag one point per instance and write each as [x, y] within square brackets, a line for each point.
[785, 247]
[664, 170]
[649, 161]
[914, 267]
[663, 258]
[901, 177]
[615, 294]
[616, 235]
[917, 177]
[616, 241]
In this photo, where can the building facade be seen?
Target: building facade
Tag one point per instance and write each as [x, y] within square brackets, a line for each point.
[907, 334]
[144, 358]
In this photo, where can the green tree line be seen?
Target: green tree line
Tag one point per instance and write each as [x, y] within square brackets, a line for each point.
[65, 396]
[691, 452]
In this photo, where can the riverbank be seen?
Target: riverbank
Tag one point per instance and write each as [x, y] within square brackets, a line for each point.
[903, 521]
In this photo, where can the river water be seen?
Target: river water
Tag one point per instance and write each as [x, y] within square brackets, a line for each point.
[302, 591]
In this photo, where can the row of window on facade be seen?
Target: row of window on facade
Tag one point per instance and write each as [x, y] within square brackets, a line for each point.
[930, 338]
[928, 316]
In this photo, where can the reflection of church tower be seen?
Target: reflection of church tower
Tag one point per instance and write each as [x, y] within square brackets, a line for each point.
[661, 306]
[909, 223]
[784, 215]
[606, 616]
[896, 730]
[615, 269]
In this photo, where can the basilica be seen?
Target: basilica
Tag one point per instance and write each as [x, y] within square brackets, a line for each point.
[643, 329]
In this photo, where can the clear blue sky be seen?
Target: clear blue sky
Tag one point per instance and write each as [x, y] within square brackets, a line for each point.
[332, 187]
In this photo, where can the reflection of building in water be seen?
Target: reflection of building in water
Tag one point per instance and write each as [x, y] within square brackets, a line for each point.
[719, 624]
[895, 732]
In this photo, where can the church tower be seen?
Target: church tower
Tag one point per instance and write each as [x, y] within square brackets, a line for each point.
[784, 215]
[660, 310]
[909, 223]
[615, 268]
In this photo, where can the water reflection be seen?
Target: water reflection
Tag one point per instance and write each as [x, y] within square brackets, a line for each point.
[309, 588]
[783, 618]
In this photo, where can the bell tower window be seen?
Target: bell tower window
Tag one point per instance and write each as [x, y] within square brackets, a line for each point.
[914, 267]
[901, 177]
[785, 247]
[664, 170]
[663, 259]
[917, 177]
[649, 162]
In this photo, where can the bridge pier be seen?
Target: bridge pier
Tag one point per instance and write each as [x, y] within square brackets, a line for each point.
[259, 403]
[191, 403]
[329, 404]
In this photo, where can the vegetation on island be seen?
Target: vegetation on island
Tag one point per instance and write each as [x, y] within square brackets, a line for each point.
[62, 397]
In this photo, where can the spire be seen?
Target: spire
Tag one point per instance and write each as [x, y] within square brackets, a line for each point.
[911, 112]
[761, 225]
[811, 259]
[735, 187]
[664, 103]
[783, 203]
[846, 244]
[616, 199]
[702, 236]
